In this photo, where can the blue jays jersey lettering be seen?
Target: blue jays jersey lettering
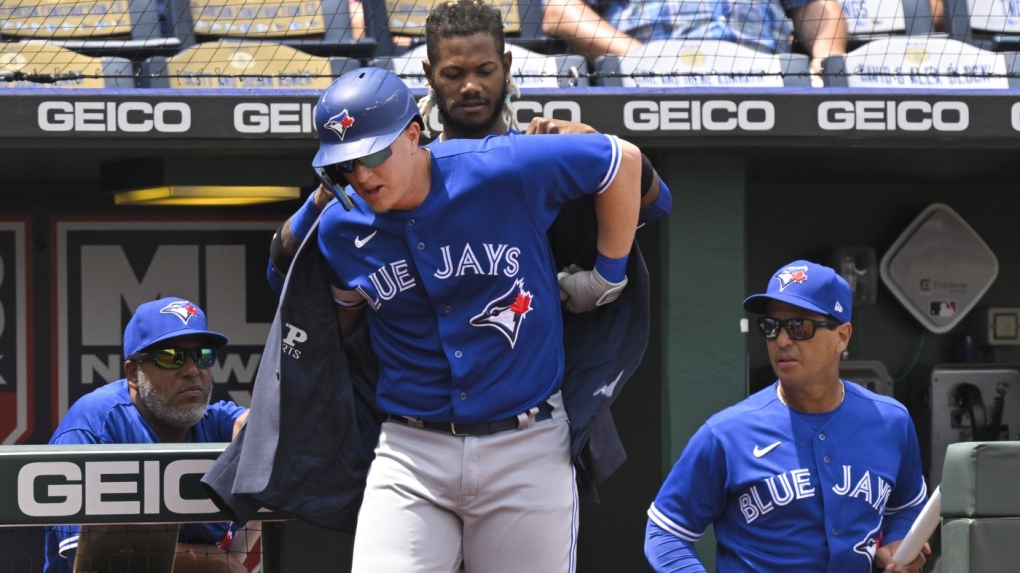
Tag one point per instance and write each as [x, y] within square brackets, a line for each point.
[474, 254]
[785, 472]
[107, 416]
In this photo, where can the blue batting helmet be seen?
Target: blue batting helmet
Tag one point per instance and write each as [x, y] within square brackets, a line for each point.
[362, 112]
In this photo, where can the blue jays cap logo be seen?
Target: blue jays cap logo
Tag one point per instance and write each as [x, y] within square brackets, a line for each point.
[790, 275]
[506, 313]
[183, 310]
[340, 123]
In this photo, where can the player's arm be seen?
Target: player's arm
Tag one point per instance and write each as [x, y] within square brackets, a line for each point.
[667, 553]
[288, 237]
[616, 213]
[656, 199]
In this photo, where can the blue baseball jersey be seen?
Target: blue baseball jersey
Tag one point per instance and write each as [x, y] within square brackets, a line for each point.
[108, 416]
[789, 491]
[464, 305]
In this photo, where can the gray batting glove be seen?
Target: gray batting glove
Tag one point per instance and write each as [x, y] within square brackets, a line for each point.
[586, 290]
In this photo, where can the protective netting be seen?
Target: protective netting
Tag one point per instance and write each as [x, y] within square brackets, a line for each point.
[304, 44]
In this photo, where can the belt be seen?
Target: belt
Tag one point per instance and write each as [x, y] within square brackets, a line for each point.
[479, 429]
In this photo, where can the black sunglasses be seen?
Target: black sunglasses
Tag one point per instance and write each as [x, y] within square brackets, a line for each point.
[334, 177]
[173, 358]
[797, 328]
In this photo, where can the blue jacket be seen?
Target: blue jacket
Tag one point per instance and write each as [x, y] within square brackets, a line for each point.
[314, 424]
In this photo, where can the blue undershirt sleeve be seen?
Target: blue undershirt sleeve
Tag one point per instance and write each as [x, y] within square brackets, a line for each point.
[667, 553]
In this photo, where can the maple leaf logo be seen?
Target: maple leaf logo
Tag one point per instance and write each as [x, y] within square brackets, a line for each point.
[522, 303]
[340, 123]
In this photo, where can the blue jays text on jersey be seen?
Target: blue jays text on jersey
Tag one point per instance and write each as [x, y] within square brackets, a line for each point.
[462, 288]
[793, 491]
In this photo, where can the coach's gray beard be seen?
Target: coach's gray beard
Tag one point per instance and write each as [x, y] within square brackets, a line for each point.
[160, 404]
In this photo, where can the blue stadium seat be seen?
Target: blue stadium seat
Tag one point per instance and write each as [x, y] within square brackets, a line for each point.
[137, 33]
[530, 69]
[318, 27]
[42, 64]
[869, 20]
[988, 24]
[231, 64]
[922, 62]
[700, 63]
[398, 33]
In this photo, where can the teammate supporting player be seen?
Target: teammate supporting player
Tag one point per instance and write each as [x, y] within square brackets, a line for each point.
[445, 251]
[812, 473]
[168, 352]
[470, 84]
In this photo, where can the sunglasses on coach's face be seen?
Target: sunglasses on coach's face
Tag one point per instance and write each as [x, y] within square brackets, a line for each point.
[173, 358]
[796, 328]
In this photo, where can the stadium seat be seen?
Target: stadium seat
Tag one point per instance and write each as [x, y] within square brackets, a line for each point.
[530, 69]
[243, 65]
[980, 510]
[920, 63]
[700, 63]
[869, 20]
[41, 64]
[317, 27]
[399, 25]
[97, 29]
[988, 24]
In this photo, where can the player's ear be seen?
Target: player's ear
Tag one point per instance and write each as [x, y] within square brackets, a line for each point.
[844, 331]
[508, 58]
[131, 368]
[427, 68]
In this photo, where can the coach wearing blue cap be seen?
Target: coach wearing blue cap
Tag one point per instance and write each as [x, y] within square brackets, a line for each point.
[165, 398]
[812, 473]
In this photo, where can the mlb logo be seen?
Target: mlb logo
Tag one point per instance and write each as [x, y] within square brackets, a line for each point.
[943, 308]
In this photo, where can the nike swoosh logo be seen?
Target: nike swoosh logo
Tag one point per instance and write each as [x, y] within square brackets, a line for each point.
[359, 242]
[759, 452]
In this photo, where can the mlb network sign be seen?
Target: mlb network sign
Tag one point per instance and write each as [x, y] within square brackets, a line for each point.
[15, 357]
[105, 269]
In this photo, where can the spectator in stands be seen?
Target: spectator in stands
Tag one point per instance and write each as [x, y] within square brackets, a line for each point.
[617, 27]
[468, 73]
[163, 399]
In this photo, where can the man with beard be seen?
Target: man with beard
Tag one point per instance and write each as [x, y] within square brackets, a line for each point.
[470, 84]
[164, 398]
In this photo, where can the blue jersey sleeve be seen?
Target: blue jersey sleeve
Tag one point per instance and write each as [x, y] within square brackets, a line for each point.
[694, 493]
[911, 493]
[557, 168]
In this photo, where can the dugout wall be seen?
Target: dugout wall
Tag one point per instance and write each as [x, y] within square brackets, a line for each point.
[760, 177]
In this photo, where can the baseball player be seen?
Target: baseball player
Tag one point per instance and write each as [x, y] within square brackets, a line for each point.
[811, 474]
[469, 79]
[445, 251]
[164, 398]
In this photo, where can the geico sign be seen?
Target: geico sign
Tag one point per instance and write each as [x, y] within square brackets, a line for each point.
[711, 115]
[134, 491]
[129, 116]
[892, 115]
[274, 118]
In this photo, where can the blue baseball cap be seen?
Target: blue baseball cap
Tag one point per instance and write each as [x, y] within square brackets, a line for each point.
[166, 318]
[807, 285]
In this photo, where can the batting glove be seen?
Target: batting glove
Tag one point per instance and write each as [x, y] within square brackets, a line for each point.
[587, 289]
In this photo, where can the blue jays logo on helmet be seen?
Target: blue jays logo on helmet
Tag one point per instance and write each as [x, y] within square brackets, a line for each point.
[506, 313]
[340, 123]
[183, 310]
